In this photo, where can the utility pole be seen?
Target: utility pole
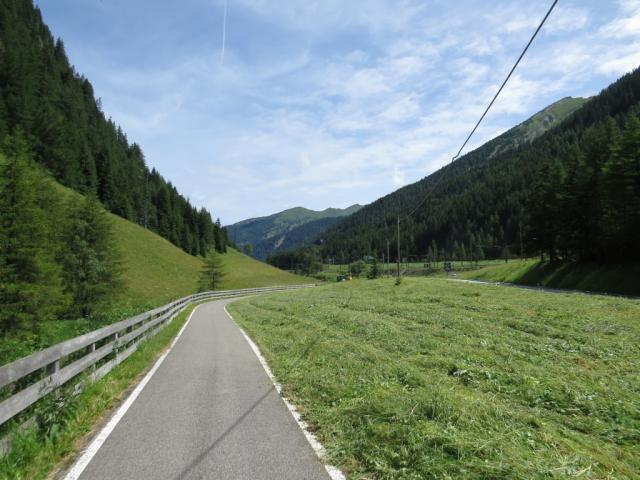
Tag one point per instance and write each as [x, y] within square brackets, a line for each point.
[521, 246]
[146, 199]
[398, 255]
[388, 259]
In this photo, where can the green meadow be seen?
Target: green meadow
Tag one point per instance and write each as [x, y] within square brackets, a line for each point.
[440, 379]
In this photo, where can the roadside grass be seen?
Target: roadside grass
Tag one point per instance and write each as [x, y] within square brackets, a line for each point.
[62, 420]
[15, 345]
[619, 278]
[436, 379]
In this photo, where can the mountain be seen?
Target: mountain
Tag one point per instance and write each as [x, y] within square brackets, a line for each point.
[534, 188]
[53, 108]
[285, 230]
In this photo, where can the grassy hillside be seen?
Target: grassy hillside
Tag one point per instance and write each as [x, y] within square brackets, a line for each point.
[612, 278]
[435, 379]
[245, 272]
[547, 118]
[154, 272]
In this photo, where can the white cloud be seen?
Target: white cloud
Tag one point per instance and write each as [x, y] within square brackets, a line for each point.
[355, 98]
[623, 27]
[398, 177]
[567, 19]
[623, 63]
[481, 45]
[402, 110]
[319, 16]
[521, 23]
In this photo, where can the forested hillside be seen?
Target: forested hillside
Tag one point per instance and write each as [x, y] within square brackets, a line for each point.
[67, 266]
[54, 108]
[573, 193]
[284, 230]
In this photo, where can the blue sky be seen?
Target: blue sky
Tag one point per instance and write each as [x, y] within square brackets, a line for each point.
[323, 103]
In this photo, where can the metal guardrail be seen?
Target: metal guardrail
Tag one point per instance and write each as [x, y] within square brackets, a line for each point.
[82, 353]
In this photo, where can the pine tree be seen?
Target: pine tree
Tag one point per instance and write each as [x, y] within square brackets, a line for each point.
[213, 272]
[374, 269]
[545, 205]
[357, 267]
[30, 287]
[89, 258]
[622, 190]
[42, 94]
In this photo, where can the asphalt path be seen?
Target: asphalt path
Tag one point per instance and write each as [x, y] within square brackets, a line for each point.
[209, 412]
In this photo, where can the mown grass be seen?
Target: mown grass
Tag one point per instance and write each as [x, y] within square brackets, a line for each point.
[330, 272]
[621, 278]
[436, 379]
[62, 420]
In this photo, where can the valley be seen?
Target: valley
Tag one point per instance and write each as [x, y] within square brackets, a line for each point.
[405, 355]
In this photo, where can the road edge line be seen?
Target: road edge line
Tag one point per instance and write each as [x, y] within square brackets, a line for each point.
[81, 464]
[334, 472]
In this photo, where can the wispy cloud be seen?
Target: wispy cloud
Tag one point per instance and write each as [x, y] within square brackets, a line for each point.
[259, 105]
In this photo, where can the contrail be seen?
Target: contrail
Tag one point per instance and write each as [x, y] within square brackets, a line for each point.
[224, 33]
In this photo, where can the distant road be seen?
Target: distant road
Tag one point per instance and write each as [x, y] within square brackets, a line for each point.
[209, 412]
[541, 289]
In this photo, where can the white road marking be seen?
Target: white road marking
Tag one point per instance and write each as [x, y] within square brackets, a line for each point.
[99, 440]
[333, 472]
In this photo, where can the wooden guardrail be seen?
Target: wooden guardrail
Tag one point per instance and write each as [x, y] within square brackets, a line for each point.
[66, 360]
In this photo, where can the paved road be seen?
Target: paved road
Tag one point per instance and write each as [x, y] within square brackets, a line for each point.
[209, 412]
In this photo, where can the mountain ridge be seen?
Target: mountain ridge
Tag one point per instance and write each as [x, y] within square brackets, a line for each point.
[286, 229]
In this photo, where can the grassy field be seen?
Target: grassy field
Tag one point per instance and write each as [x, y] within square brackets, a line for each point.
[616, 278]
[437, 379]
[330, 271]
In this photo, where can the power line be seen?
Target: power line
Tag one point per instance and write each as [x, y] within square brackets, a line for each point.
[508, 76]
[535, 34]
[433, 186]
